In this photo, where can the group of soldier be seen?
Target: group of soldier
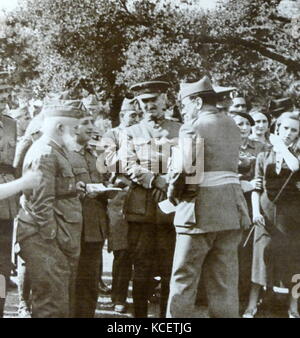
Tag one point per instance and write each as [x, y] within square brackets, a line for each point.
[149, 159]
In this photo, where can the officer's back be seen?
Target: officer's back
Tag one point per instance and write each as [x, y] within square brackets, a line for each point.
[221, 140]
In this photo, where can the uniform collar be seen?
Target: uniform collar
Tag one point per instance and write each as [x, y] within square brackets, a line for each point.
[57, 146]
[208, 108]
[83, 149]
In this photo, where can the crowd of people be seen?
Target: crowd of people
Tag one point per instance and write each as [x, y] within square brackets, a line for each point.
[200, 196]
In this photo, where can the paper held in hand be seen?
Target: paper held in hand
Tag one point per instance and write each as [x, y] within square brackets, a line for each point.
[167, 207]
[99, 187]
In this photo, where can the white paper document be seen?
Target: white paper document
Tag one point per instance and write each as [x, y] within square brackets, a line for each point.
[99, 187]
[167, 207]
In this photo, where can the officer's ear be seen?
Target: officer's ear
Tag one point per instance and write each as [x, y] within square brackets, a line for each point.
[137, 105]
[60, 128]
[199, 103]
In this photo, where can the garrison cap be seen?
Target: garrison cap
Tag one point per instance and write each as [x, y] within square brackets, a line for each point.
[19, 112]
[63, 106]
[91, 102]
[37, 103]
[149, 88]
[35, 125]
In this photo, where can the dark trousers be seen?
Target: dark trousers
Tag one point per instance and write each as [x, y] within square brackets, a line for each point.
[151, 249]
[245, 265]
[100, 262]
[87, 279]
[121, 275]
[6, 235]
[52, 276]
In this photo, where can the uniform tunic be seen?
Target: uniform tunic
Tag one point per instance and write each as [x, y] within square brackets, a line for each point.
[49, 231]
[93, 235]
[118, 225]
[94, 209]
[208, 246]
[151, 234]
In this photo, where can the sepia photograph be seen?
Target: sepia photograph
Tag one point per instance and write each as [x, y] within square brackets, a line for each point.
[149, 161]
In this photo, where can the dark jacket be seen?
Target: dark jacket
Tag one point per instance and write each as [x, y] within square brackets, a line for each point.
[93, 209]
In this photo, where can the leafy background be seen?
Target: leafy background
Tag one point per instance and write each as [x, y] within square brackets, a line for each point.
[114, 43]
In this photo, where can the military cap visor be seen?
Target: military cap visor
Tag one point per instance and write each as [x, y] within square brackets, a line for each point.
[150, 87]
[146, 96]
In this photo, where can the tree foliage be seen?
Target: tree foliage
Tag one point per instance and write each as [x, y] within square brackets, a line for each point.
[246, 43]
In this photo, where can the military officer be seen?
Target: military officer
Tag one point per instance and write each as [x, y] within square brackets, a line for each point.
[8, 206]
[94, 230]
[50, 220]
[209, 221]
[118, 227]
[151, 234]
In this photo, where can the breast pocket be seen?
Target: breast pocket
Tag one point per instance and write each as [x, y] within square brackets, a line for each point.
[81, 174]
[65, 183]
[9, 151]
[142, 148]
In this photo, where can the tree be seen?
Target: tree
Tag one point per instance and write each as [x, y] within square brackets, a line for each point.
[114, 43]
[243, 43]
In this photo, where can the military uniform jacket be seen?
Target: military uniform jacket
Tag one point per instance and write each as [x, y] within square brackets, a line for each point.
[116, 208]
[148, 153]
[111, 142]
[23, 145]
[53, 209]
[221, 207]
[93, 209]
[8, 137]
